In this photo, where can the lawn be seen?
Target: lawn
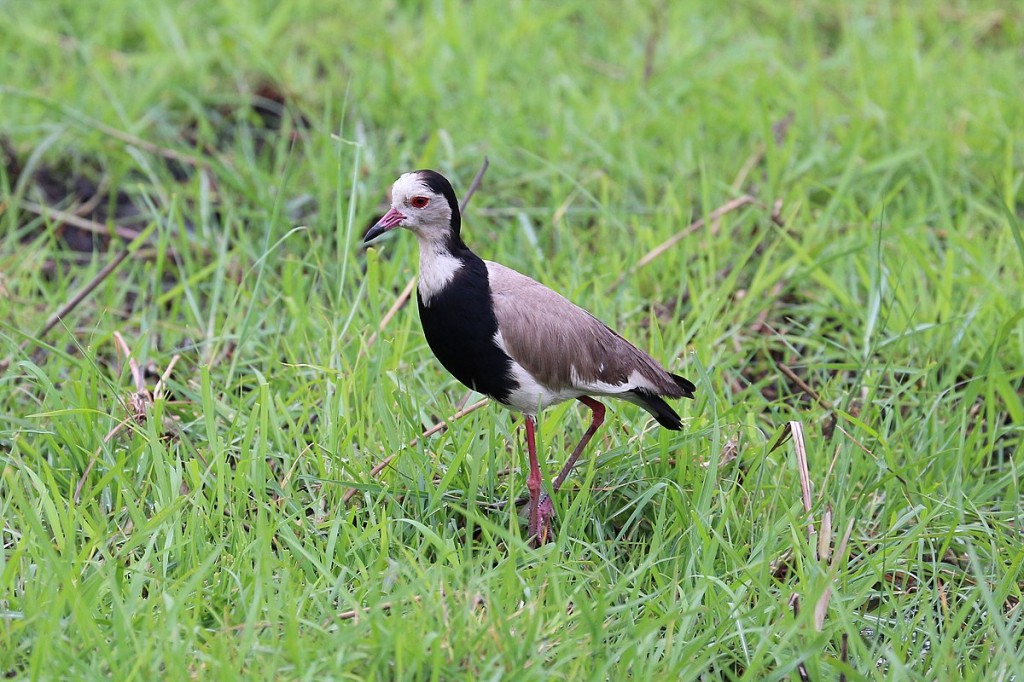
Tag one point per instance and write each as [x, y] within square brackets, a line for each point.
[221, 443]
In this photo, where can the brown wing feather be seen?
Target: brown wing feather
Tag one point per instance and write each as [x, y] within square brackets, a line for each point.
[554, 338]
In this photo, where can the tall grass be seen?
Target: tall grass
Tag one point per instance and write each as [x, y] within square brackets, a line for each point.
[871, 292]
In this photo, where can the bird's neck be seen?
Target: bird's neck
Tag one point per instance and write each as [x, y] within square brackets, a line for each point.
[440, 261]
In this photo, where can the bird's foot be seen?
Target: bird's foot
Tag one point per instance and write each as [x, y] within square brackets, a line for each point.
[540, 522]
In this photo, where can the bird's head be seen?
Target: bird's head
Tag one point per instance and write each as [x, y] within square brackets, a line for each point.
[423, 202]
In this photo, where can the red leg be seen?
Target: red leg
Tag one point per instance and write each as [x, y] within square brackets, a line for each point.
[535, 480]
[597, 418]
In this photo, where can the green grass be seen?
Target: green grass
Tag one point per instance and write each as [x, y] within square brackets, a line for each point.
[211, 538]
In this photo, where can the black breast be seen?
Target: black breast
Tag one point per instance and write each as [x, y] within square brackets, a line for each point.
[459, 326]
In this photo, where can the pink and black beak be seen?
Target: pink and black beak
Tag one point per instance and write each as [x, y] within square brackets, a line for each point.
[391, 220]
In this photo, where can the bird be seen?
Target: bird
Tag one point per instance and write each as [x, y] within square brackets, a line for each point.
[509, 337]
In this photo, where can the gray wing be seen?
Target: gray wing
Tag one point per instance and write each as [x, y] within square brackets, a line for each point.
[564, 346]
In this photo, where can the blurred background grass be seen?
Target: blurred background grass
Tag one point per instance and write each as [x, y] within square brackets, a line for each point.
[880, 265]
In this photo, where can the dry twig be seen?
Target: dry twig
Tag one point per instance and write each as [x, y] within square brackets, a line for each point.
[727, 207]
[475, 185]
[436, 428]
[821, 608]
[76, 299]
[823, 549]
[797, 431]
[399, 303]
[803, 386]
[145, 145]
[78, 221]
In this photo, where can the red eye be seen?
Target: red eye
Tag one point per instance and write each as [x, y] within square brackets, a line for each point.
[419, 202]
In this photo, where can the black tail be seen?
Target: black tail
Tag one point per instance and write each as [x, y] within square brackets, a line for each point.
[661, 411]
[685, 385]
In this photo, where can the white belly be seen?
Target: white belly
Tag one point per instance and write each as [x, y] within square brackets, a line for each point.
[530, 396]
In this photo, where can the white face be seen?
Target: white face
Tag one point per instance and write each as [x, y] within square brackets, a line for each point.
[426, 212]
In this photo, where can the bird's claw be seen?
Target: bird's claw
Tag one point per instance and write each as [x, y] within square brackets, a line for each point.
[540, 525]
